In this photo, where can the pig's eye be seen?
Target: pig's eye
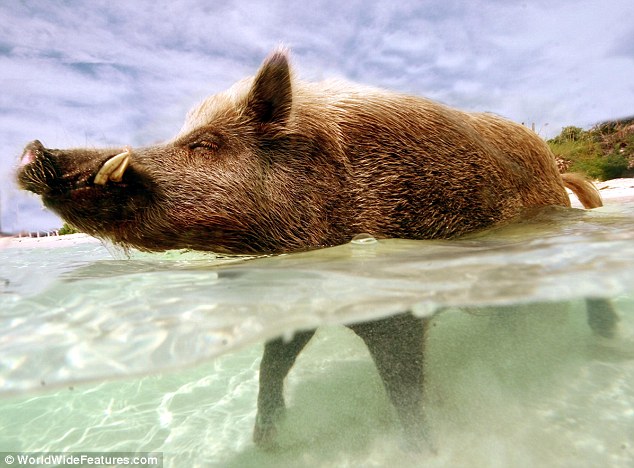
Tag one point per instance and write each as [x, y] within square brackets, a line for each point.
[204, 144]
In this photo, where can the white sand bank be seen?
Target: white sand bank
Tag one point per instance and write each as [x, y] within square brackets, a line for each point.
[48, 242]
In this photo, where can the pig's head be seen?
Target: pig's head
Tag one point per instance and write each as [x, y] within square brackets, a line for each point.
[245, 175]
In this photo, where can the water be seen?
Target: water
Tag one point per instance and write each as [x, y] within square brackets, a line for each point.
[160, 352]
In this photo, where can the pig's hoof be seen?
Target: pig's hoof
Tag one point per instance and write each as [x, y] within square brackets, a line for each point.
[265, 430]
[417, 439]
[265, 436]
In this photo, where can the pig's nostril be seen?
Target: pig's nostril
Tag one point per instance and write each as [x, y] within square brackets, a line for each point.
[27, 157]
[31, 152]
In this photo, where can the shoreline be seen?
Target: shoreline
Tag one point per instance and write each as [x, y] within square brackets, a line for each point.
[612, 191]
[46, 241]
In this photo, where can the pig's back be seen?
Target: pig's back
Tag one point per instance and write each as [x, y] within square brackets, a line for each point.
[420, 169]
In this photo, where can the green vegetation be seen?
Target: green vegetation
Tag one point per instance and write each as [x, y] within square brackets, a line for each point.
[604, 152]
[66, 229]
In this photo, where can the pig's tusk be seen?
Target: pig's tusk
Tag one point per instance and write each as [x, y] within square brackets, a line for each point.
[114, 168]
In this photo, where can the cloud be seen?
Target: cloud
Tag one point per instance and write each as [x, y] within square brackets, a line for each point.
[113, 73]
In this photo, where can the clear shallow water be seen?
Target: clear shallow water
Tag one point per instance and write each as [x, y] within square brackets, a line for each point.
[160, 352]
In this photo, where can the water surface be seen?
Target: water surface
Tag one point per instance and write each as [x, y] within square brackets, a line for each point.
[160, 352]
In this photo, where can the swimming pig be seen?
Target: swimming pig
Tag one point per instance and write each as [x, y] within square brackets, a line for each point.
[276, 164]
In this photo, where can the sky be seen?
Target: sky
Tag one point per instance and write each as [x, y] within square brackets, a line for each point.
[114, 73]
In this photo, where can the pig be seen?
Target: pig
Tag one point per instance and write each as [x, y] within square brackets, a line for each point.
[276, 165]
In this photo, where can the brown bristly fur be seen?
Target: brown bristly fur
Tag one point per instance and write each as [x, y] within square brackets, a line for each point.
[276, 164]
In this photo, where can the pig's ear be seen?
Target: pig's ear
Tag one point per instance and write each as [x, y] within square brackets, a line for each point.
[271, 96]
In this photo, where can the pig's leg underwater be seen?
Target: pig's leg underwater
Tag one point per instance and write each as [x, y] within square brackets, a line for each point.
[602, 318]
[396, 346]
[279, 356]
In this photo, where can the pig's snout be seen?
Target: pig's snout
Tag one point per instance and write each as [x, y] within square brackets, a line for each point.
[114, 168]
[42, 170]
[32, 151]
[37, 169]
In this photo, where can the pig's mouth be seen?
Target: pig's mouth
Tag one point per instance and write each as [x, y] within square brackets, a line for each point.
[53, 174]
[97, 191]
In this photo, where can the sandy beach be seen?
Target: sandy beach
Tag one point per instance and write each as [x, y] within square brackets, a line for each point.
[612, 191]
[45, 242]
